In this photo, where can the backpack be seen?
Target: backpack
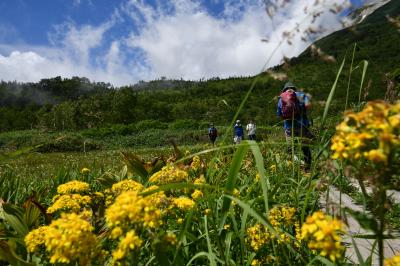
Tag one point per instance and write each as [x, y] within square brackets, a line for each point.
[213, 132]
[290, 105]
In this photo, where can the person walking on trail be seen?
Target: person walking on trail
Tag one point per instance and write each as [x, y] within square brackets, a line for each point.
[292, 108]
[251, 130]
[238, 132]
[212, 133]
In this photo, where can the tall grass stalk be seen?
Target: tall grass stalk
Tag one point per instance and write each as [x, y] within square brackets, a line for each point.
[350, 72]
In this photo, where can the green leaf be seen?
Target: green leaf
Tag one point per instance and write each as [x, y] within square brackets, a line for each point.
[261, 170]
[203, 254]
[230, 183]
[367, 221]
[8, 254]
[359, 256]
[332, 92]
[325, 261]
[365, 66]
[135, 165]
[14, 216]
[107, 180]
[31, 215]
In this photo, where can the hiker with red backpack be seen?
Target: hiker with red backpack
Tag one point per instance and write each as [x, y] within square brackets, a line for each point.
[292, 108]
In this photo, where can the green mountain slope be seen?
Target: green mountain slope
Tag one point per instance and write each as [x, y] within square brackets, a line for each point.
[378, 42]
[76, 104]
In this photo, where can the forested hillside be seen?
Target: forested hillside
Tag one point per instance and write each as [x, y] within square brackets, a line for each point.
[77, 103]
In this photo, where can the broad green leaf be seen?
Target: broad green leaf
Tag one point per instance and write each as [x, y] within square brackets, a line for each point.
[14, 217]
[135, 165]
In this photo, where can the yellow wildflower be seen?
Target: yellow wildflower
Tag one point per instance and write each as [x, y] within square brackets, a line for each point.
[183, 203]
[197, 194]
[126, 185]
[207, 211]
[169, 174]
[377, 156]
[258, 236]
[199, 181]
[85, 170]
[35, 239]
[393, 261]
[171, 238]
[129, 209]
[322, 235]
[116, 232]
[282, 215]
[70, 238]
[157, 199]
[73, 187]
[130, 242]
[196, 163]
[69, 202]
[371, 134]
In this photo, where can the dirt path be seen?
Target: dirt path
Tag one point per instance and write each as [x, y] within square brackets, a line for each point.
[337, 201]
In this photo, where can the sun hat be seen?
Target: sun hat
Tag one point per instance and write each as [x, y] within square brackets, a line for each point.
[288, 85]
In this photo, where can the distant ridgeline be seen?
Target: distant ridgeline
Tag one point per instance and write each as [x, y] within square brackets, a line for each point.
[77, 103]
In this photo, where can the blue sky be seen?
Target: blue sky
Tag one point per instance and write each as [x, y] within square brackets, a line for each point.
[124, 41]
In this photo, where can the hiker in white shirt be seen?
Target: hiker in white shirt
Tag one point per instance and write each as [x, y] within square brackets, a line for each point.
[251, 130]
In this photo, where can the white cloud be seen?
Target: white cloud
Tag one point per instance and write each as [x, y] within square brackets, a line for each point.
[176, 39]
[190, 43]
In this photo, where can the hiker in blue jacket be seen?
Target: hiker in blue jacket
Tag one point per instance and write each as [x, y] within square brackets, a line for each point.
[212, 133]
[238, 132]
[292, 108]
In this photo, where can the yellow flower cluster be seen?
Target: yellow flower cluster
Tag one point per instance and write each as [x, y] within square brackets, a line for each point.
[372, 133]
[196, 163]
[72, 187]
[170, 238]
[282, 215]
[70, 238]
[129, 242]
[122, 186]
[34, 240]
[126, 185]
[169, 174]
[393, 261]
[183, 203]
[197, 194]
[322, 234]
[85, 170]
[69, 203]
[199, 181]
[129, 209]
[263, 261]
[279, 217]
[157, 199]
[258, 236]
